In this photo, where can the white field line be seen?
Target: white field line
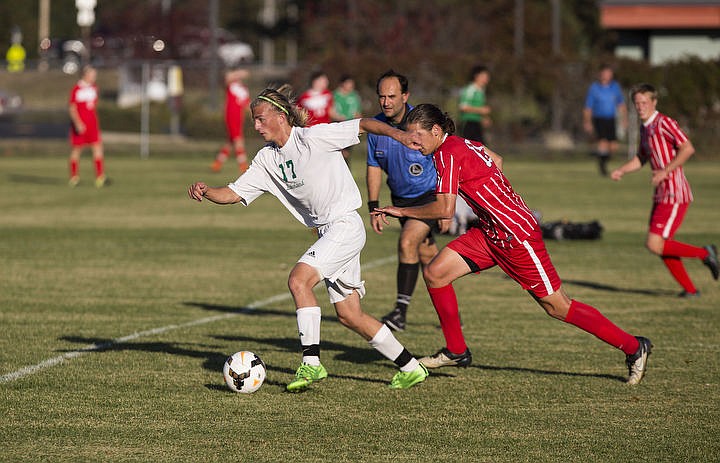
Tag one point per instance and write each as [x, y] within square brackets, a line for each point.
[29, 370]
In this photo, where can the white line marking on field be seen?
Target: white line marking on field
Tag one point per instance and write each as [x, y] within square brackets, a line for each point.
[29, 370]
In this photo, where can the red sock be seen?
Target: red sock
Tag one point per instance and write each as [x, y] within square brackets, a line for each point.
[589, 319]
[222, 155]
[677, 249]
[99, 167]
[446, 306]
[677, 270]
[241, 156]
[74, 168]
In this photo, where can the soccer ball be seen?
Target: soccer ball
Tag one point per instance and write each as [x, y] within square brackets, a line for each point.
[244, 372]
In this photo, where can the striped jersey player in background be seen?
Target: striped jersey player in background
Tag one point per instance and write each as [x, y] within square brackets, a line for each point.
[667, 148]
[304, 168]
[508, 236]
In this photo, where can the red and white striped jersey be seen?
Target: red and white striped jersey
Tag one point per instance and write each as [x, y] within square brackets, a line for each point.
[465, 169]
[660, 138]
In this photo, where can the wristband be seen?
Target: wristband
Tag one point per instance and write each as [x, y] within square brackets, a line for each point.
[372, 205]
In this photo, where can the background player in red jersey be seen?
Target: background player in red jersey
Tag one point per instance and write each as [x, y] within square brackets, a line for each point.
[666, 146]
[237, 102]
[318, 100]
[508, 235]
[85, 129]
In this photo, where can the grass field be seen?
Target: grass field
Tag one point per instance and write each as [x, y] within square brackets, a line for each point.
[118, 307]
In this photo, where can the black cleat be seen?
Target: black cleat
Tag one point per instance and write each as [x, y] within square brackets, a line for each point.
[602, 164]
[711, 261]
[688, 295]
[637, 363]
[395, 320]
[445, 358]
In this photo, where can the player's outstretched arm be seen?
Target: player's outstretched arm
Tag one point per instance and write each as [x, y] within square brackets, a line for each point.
[442, 208]
[369, 125]
[218, 195]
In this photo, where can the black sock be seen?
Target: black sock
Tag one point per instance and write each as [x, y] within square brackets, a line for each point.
[403, 359]
[407, 275]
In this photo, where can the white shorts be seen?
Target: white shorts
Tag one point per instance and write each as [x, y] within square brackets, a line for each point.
[336, 256]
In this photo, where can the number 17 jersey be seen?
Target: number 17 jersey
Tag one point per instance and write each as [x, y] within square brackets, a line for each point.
[308, 174]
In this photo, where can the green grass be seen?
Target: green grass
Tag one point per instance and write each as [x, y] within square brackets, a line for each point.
[83, 266]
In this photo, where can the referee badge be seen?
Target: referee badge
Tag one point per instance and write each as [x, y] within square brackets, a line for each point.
[415, 169]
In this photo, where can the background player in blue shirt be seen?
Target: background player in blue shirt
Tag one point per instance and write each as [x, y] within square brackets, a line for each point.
[411, 178]
[603, 102]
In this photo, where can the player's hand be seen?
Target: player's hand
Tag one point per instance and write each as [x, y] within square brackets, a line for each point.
[587, 125]
[406, 139]
[80, 128]
[444, 225]
[391, 211]
[376, 223]
[197, 191]
[616, 174]
[659, 176]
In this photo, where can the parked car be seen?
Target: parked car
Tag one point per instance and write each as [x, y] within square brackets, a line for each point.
[194, 43]
[10, 104]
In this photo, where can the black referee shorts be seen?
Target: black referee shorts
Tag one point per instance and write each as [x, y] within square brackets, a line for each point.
[604, 128]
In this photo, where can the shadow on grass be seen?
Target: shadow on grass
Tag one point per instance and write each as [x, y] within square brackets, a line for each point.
[214, 359]
[616, 289]
[260, 312]
[547, 372]
[36, 179]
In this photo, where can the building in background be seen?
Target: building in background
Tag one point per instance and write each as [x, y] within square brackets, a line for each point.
[663, 30]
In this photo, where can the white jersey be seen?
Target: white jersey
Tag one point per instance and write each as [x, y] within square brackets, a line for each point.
[308, 174]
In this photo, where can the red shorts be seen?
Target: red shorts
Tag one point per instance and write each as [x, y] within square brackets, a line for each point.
[234, 126]
[90, 136]
[665, 219]
[527, 262]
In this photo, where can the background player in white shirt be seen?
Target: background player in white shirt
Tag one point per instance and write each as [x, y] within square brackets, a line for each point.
[304, 168]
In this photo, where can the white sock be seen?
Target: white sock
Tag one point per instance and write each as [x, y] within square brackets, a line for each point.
[308, 321]
[386, 343]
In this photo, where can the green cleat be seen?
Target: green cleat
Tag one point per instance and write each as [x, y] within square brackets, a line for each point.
[306, 375]
[407, 379]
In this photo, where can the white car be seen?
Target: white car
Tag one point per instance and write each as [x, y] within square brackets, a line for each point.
[234, 53]
[10, 104]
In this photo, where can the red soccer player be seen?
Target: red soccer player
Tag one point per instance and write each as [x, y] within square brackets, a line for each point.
[85, 129]
[318, 100]
[666, 146]
[237, 103]
[508, 236]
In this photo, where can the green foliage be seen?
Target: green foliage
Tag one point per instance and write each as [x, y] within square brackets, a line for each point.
[166, 288]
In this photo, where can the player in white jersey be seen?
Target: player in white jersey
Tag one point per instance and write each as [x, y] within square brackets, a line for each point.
[304, 168]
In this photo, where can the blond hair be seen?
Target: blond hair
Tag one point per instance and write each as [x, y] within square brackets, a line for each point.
[281, 99]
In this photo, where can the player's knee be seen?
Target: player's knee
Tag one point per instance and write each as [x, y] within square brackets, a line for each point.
[654, 246]
[433, 276]
[407, 246]
[297, 285]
